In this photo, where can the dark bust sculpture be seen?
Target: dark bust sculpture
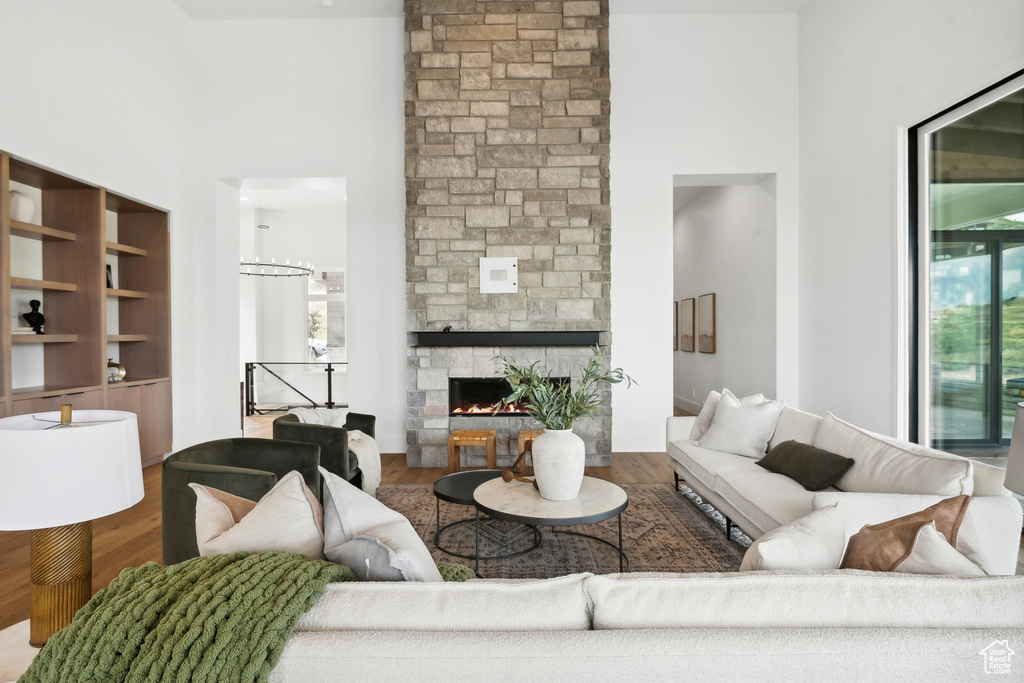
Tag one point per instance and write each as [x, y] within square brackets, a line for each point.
[34, 318]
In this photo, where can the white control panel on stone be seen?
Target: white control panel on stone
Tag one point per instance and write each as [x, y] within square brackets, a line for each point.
[499, 275]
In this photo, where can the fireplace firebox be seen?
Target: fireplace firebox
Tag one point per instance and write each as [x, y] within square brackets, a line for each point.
[477, 396]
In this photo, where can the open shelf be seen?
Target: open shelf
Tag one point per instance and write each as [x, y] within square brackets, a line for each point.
[115, 248]
[53, 285]
[80, 234]
[38, 232]
[43, 338]
[127, 293]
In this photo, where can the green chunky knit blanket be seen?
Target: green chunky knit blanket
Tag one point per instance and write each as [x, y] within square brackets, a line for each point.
[219, 618]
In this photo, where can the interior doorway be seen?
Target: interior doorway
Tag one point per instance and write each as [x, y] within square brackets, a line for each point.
[724, 243]
[292, 292]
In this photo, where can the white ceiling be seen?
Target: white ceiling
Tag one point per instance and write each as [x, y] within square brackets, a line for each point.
[356, 9]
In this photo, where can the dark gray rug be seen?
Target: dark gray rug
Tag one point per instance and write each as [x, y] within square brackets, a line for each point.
[662, 532]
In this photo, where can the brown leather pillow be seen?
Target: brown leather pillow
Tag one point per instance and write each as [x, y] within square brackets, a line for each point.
[884, 546]
[947, 515]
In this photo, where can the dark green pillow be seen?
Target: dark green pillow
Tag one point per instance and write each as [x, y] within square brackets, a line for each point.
[811, 467]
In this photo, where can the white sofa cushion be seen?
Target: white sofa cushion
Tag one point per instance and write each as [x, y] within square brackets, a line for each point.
[741, 429]
[795, 425]
[705, 465]
[767, 499]
[559, 604]
[989, 533]
[840, 598]
[881, 465]
[815, 541]
[374, 541]
[707, 411]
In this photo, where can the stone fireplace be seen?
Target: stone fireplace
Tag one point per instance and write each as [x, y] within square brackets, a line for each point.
[507, 135]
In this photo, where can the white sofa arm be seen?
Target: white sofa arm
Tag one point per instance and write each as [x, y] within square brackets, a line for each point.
[996, 520]
[678, 428]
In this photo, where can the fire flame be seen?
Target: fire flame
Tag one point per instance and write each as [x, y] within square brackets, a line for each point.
[487, 410]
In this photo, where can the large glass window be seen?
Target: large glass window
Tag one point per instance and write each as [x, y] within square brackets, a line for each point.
[971, 298]
[326, 320]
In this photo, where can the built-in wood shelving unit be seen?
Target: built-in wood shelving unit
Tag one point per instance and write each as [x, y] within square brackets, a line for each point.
[84, 235]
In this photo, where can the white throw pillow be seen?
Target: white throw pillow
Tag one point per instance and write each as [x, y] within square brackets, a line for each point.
[815, 541]
[374, 541]
[933, 554]
[287, 518]
[884, 465]
[707, 411]
[739, 429]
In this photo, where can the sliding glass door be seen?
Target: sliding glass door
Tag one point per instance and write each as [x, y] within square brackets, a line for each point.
[971, 296]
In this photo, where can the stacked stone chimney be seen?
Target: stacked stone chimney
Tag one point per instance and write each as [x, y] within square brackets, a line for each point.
[507, 137]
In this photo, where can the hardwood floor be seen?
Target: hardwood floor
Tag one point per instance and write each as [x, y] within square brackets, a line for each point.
[133, 537]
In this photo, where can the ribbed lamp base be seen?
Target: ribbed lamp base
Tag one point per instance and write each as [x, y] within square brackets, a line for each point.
[61, 578]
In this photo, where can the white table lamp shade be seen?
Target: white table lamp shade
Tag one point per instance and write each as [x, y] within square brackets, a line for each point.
[1015, 461]
[54, 477]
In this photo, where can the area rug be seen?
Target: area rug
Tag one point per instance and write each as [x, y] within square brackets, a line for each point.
[662, 531]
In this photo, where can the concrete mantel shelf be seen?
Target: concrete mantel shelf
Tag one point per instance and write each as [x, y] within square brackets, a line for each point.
[508, 338]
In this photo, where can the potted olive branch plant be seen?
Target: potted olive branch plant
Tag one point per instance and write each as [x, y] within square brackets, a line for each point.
[558, 454]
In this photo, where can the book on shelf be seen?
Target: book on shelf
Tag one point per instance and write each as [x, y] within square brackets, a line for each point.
[22, 330]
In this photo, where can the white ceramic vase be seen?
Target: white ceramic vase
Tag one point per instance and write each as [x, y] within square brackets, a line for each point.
[558, 460]
[23, 207]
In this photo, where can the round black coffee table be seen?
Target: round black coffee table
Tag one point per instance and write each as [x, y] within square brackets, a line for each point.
[458, 488]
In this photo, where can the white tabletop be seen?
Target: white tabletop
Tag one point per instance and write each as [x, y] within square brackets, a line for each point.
[520, 502]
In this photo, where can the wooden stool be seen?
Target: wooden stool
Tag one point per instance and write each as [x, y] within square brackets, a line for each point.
[526, 444]
[466, 437]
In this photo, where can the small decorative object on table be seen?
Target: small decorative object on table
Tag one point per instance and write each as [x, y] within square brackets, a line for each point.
[115, 371]
[23, 207]
[34, 318]
[559, 455]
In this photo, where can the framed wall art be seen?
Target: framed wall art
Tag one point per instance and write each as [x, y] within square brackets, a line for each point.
[706, 339]
[686, 320]
[675, 326]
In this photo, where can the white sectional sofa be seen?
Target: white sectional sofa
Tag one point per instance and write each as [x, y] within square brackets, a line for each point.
[900, 477]
[811, 626]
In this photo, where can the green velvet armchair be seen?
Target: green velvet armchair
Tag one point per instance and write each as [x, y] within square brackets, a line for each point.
[243, 467]
[333, 441]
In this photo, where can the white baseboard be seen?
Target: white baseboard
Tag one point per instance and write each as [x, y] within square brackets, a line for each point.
[687, 405]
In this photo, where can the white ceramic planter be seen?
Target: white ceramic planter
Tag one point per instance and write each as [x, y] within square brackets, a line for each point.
[558, 460]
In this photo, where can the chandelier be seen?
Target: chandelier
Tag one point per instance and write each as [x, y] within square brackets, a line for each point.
[274, 269]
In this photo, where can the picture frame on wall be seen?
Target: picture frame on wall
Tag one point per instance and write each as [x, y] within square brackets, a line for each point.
[687, 311]
[706, 337]
[675, 326]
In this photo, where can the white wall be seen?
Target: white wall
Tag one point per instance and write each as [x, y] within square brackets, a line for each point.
[301, 99]
[691, 94]
[137, 97]
[869, 70]
[725, 243]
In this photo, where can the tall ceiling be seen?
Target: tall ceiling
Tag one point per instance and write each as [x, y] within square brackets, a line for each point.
[356, 9]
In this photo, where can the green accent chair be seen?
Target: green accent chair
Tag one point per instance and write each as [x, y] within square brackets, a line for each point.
[333, 441]
[244, 467]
